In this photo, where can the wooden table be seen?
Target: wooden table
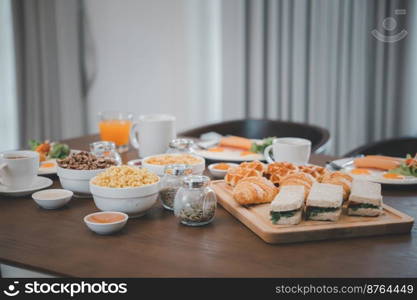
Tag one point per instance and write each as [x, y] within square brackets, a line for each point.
[57, 242]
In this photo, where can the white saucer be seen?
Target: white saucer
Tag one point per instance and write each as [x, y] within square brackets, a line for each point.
[40, 183]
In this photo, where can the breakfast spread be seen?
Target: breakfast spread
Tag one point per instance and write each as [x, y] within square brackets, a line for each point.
[170, 159]
[85, 161]
[125, 177]
[379, 168]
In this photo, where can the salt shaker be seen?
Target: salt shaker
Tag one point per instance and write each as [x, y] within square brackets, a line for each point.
[195, 202]
[171, 182]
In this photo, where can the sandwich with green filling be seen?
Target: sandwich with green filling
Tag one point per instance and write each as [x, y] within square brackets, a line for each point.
[365, 199]
[286, 209]
[324, 203]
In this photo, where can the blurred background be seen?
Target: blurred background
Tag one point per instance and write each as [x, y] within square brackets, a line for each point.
[346, 65]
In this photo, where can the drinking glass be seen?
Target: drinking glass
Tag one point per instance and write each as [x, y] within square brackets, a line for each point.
[107, 150]
[115, 127]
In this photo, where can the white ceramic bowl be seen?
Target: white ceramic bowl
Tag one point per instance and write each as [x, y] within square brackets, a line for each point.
[198, 169]
[106, 228]
[53, 198]
[219, 173]
[135, 201]
[77, 181]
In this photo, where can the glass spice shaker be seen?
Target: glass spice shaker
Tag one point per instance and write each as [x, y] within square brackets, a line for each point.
[106, 149]
[195, 202]
[181, 146]
[171, 182]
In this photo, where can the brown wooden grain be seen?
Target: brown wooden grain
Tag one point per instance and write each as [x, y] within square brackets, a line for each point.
[155, 245]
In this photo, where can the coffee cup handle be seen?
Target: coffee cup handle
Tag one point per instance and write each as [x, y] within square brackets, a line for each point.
[133, 137]
[267, 154]
[2, 166]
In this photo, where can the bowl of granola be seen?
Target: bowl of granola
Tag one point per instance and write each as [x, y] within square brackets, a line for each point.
[127, 189]
[76, 170]
[157, 163]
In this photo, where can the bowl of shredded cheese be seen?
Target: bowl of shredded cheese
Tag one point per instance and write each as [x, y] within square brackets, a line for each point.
[128, 189]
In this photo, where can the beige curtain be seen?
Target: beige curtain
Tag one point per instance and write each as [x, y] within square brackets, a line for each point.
[318, 62]
[49, 69]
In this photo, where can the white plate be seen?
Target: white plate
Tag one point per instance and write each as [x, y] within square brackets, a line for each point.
[40, 183]
[376, 175]
[230, 155]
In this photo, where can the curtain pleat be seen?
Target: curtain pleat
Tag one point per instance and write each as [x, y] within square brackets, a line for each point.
[48, 69]
[317, 62]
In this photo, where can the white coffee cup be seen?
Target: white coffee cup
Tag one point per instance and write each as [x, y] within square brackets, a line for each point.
[289, 149]
[18, 169]
[151, 134]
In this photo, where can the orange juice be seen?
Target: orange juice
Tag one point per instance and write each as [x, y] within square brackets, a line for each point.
[116, 131]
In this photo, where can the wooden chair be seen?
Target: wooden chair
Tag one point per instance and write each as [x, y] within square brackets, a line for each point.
[261, 128]
[397, 147]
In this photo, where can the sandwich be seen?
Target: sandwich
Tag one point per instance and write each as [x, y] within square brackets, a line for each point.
[324, 203]
[286, 209]
[365, 199]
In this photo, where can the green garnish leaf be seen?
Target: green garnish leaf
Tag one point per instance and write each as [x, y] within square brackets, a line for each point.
[33, 144]
[59, 151]
[260, 147]
[276, 215]
[313, 211]
[363, 205]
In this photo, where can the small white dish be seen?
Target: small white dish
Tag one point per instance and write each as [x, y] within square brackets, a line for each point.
[53, 198]
[220, 173]
[134, 201]
[198, 168]
[105, 228]
[135, 162]
[77, 181]
[50, 169]
[39, 184]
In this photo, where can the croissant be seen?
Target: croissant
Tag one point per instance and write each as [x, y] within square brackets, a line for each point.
[303, 179]
[339, 178]
[234, 175]
[254, 190]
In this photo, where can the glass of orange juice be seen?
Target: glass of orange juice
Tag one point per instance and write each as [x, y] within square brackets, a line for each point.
[115, 127]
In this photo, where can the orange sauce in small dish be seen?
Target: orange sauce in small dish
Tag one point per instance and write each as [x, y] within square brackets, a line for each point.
[106, 218]
[48, 165]
[392, 176]
[360, 171]
[222, 166]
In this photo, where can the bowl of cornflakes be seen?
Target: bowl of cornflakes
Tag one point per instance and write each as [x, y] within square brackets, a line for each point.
[128, 189]
[157, 163]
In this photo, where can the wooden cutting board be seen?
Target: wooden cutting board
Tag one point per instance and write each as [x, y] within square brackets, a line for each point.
[256, 217]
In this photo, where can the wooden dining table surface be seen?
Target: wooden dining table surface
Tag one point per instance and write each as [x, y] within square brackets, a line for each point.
[58, 242]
